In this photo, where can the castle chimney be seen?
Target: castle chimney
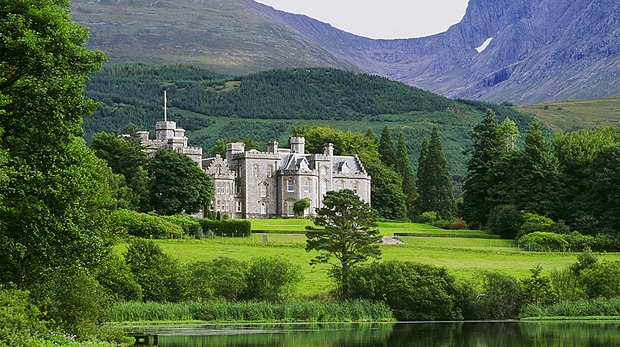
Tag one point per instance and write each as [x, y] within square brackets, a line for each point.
[329, 149]
[272, 147]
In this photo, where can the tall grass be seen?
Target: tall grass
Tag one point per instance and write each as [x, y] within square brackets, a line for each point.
[308, 311]
[575, 309]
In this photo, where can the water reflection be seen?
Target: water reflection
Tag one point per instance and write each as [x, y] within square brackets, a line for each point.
[465, 334]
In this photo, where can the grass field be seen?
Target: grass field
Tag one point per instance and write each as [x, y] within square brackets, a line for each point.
[461, 261]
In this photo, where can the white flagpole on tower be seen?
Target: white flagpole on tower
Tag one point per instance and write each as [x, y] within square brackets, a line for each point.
[165, 107]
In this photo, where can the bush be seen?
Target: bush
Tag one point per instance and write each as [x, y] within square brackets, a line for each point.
[227, 227]
[498, 297]
[505, 220]
[158, 274]
[144, 225]
[118, 280]
[579, 242]
[414, 291]
[427, 217]
[601, 279]
[219, 278]
[190, 225]
[271, 279]
[543, 241]
[534, 223]
[537, 289]
[605, 243]
[19, 319]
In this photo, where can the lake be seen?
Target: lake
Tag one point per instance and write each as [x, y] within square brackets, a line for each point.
[457, 334]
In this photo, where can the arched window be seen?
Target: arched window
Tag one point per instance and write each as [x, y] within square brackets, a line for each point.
[339, 185]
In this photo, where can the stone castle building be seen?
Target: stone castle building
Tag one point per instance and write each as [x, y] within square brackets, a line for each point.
[253, 184]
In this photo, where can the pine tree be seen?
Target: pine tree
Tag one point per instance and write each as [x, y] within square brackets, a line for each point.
[386, 148]
[509, 132]
[539, 185]
[487, 149]
[406, 171]
[434, 180]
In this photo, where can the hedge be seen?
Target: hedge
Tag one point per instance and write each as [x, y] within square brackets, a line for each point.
[227, 227]
[144, 225]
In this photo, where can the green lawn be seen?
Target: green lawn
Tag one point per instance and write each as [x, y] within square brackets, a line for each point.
[461, 261]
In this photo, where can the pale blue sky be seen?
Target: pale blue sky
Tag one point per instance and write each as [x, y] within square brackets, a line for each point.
[380, 19]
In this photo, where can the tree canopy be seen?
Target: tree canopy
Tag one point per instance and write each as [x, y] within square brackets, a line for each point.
[349, 234]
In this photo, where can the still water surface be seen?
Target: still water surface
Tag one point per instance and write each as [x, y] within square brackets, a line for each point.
[462, 334]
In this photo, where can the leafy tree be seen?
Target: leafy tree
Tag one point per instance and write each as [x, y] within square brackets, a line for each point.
[509, 132]
[51, 213]
[413, 291]
[539, 183]
[537, 289]
[126, 158]
[158, 274]
[498, 297]
[271, 279]
[300, 206]
[386, 148]
[505, 220]
[406, 171]
[178, 184]
[479, 183]
[219, 278]
[348, 235]
[434, 181]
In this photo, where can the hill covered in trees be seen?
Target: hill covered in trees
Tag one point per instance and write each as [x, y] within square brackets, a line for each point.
[265, 106]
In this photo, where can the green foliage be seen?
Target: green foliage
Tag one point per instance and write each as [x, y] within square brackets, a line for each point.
[191, 225]
[158, 274]
[543, 241]
[178, 184]
[406, 172]
[505, 220]
[125, 157]
[227, 227]
[487, 149]
[20, 323]
[601, 279]
[498, 297]
[434, 181]
[271, 279]
[300, 206]
[118, 280]
[349, 234]
[537, 289]
[221, 278]
[143, 225]
[414, 291]
[386, 148]
[533, 222]
[599, 307]
[248, 311]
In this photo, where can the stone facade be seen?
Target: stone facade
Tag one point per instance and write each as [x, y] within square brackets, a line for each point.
[167, 135]
[253, 184]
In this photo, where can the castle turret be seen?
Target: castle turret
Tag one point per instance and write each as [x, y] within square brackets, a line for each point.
[298, 145]
[234, 148]
[165, 130]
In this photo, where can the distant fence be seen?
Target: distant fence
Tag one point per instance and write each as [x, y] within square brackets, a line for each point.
[462, 236]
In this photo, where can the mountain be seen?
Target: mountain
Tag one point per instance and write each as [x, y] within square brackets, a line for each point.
[522, 51]
[227, 36]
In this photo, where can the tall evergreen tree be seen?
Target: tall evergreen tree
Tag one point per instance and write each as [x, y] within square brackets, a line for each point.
[386, 148]
[487, 149]
[434, 180]
[406, 171]
[539, 185]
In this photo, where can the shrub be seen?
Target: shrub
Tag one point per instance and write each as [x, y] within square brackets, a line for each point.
[190, 225]
[537, 289]
[498, 297]
[300, 206]
[543, 241]
[158, 274]
[227, 227]
[579, 242]
[219, 278]
[601, 279]
[144, 225]
[414, 291]
[605, 243]
[505, 220]
[19, 319]
[271, 279]
[118, 280]
[534, 223]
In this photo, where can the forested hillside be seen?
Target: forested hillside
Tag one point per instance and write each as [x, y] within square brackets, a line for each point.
[266, 105]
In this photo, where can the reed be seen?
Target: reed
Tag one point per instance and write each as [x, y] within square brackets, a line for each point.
[600, 307]
[303, 311]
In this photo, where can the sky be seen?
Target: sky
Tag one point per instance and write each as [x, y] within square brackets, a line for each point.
[380, 19]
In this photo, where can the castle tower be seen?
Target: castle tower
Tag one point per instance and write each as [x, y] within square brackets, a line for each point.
[298, 145]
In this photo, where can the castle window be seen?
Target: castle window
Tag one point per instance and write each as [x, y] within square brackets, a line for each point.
[290, 185]
[270, 170]
[217, 187]
[355, 187]
[255, 170]
[289, 207]
[306, 186]
[227, 207]
[339, 185]
[238, 206]
[323, 170]
[323, 187]
[263, 190]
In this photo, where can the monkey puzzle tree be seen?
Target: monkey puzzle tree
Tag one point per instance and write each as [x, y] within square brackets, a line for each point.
[349, 235]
